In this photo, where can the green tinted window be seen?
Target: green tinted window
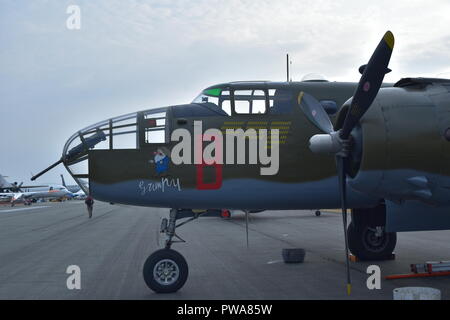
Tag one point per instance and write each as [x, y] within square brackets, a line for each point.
[213, 92]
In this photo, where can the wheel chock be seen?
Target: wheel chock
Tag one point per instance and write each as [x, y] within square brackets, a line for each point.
[293, 255]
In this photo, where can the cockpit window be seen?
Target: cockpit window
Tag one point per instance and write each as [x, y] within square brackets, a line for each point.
[154, 125]
[218, 97]
[213, 92]
[205, 98]
[250, 101]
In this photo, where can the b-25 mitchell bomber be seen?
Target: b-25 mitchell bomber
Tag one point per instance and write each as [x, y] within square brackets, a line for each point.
[272, 145]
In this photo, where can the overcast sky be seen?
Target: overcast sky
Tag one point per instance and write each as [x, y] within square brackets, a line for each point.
[133, 55]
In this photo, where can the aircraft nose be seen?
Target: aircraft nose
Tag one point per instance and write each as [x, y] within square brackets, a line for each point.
[116, 133]
[97, 136]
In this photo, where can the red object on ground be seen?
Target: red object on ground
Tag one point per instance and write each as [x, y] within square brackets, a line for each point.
[225, 214]
[417, 275]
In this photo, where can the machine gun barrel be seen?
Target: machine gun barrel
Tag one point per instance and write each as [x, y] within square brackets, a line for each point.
[45, 170]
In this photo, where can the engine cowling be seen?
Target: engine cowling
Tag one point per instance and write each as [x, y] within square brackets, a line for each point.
[405, 151]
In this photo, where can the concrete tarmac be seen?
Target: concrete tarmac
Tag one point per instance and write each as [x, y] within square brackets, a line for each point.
[38, 243]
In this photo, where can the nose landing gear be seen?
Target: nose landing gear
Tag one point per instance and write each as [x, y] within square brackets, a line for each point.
[166, 270]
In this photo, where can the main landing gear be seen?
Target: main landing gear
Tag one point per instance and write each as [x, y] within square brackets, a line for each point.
[367, 238]
[166, 270]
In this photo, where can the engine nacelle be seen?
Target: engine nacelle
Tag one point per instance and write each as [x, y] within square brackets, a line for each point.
[405, 148]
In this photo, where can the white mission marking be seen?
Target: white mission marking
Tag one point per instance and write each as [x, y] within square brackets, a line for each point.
[21, 209]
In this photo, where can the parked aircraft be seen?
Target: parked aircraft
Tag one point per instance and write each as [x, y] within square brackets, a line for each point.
[50, 192]
[80, 195]
[15, 192]
[72, 188]
[6, 186]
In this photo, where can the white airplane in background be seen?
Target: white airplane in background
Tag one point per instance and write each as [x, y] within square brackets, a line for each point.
[50, 192]
[74, 188]
[79, 195]
[40, 192]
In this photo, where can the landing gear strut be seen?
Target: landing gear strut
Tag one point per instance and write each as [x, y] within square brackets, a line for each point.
[367, 237]
[166, 270]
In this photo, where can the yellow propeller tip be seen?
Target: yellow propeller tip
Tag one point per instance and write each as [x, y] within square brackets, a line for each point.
[349, 289]
[389, 39]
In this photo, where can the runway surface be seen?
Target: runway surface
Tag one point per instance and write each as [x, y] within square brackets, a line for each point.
[37, 245]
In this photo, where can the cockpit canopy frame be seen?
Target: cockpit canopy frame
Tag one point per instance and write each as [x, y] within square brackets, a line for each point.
[255, 98]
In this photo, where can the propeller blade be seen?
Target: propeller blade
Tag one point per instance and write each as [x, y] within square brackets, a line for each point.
[315, 112]
[340, 163]
[363, 67]
[338, 143]
[369, 84]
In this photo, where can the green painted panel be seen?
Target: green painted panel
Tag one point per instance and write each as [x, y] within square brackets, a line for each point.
[213, 92]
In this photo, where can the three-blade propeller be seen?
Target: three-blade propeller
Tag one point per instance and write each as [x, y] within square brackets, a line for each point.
[338, 143]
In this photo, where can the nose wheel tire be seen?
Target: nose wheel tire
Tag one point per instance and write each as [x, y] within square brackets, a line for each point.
[165, 271]
[368, 243]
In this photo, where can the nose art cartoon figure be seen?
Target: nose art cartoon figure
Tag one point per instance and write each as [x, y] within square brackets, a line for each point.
[161, 162]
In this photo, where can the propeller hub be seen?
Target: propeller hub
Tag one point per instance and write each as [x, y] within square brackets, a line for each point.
[326, 143]
[330, 144]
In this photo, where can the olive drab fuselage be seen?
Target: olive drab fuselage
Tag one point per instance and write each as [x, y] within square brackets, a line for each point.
[395, 145]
